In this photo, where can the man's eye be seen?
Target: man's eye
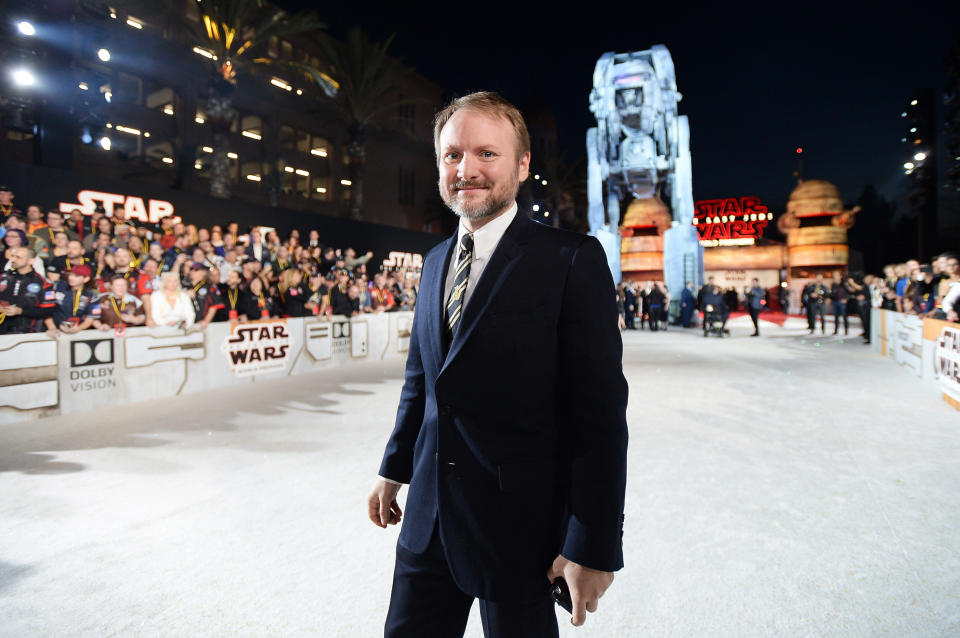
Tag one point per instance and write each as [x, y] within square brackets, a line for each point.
[487, 154]
[452, 156]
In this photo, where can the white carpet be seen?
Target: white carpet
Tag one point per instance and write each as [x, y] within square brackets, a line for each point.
[781, 486]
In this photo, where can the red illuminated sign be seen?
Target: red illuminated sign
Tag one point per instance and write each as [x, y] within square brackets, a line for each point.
[731, 221]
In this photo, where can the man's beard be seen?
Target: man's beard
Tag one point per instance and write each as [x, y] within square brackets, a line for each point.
[497, 198]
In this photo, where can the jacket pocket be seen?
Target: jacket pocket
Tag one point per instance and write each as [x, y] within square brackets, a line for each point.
[523, 474]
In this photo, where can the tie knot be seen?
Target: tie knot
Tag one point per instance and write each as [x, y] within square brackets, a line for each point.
[466, 242]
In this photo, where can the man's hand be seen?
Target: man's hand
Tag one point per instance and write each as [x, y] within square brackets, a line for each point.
[586, 586]
[382, 507]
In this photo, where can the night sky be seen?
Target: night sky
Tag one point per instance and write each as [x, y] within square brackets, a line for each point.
[757, 83]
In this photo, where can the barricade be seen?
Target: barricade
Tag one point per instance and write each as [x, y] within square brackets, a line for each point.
[928, 348]
[40, 376]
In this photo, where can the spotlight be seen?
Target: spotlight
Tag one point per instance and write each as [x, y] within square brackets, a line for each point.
[104, 55]
[105, 143]
[920, 157]
[23, 77]
[26, 28]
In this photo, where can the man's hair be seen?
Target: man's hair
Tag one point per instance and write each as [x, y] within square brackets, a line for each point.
[488, 103]
[31, 253]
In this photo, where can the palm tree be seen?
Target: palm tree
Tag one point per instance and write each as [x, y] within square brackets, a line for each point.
[365, 77]
[230, 31]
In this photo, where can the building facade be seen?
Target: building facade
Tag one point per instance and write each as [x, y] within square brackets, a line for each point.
[102, 90]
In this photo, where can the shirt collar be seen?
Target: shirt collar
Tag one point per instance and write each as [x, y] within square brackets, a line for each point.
[485, 239]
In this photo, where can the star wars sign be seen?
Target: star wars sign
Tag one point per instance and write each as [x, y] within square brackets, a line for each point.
[149, 210]
[403, 261]
[258, 347]
[948, 362]
[731, 221]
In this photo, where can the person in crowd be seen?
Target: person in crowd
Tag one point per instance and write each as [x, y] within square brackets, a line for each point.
[816, 300]
[657, 301]
[230, 292]
[754, 302]
[949, 276]
[351, 261]
[339, 297]
[256, 302]
[6, 204]
[26, 299]
[713, 297]
[170, 305]
[731, 298]
[687, 305]
[408, 298]
[76, 305]
[291, 292]
[313, 239]
[318, 294]
[257, 250]
[73, 257]
[629, 306]
[14, 239]
[118, 308]
[381, 298]
[922, 294]
[839, 295]
[35, 220]
[55, 224]
[118, 264]
[77, 224]
[139, 251]
[203, 294]
[329, 259]
[278, 265]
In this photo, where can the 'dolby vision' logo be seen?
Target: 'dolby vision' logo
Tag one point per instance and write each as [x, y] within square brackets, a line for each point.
[94, 352]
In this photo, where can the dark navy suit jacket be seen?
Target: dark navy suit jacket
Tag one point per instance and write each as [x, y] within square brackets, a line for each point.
[516, 440]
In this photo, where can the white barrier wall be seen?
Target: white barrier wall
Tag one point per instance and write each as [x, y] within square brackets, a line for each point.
[40, 376]
[928, 348]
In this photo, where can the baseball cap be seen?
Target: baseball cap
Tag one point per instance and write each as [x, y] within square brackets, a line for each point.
[82, 270]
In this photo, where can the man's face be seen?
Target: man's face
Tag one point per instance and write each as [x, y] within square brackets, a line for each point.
[353, 292]
[20, 258]
[150, 268]
[819, 279]
[379, 280]
[74, 249]
[103, 240]
[314, 235]
[836, 277]
[255, 236]
[103, 225]
[478, 164]
[118, 286]
[197, 275]
[179, 228]
[34, 214]
[122, 258]
[913, 266]
[166, 223]
[283, 253]
[54, 219]
[940, 265]
[229, 241]
[156, 251]
[233, 278]
[6, 198]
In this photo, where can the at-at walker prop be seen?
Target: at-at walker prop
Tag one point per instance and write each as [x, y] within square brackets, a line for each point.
[641, 148]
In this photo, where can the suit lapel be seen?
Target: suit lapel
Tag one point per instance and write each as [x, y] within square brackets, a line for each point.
[502, 261]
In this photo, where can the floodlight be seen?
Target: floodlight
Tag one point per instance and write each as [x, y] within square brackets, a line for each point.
[104, 55]
[26, 28]
[23, 77]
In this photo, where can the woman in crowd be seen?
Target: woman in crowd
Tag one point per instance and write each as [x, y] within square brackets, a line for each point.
[255, 302]
[14, 239]
[292, 295]
[170, 306]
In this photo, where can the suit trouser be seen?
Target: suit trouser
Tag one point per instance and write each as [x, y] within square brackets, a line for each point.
[840, 310]
[426, 603]
[754, 317]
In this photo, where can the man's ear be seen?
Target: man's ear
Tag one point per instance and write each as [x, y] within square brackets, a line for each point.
[524, 168]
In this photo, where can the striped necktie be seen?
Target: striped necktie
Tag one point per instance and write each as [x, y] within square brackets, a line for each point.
[462, 274]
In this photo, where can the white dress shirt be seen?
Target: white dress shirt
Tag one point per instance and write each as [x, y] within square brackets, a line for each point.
[485, 241]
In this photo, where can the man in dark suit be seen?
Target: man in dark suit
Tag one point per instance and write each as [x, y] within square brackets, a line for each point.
[257, 249]
[511, 429]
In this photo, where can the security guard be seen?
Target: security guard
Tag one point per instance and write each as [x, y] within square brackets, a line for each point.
[26, 299]
[76, 305]
[206, 298]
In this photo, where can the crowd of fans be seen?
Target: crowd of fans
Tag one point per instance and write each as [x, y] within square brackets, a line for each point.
[65, 273]
[926, 290]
